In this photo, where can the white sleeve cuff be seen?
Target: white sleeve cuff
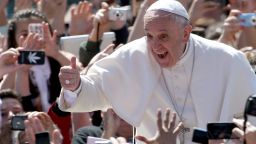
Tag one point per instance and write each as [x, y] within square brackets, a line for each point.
[68, 98]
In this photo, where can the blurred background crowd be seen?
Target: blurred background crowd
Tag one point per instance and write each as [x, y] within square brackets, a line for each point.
[32, 90]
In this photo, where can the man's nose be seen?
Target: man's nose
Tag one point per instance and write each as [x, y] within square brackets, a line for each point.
[155, 44]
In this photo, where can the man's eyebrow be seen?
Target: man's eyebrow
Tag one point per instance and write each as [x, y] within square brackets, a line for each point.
[162, 30]
[24, 31]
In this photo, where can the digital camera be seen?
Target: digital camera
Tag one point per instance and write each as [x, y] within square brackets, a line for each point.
[17, 122]
[119, 13]
[247, 19]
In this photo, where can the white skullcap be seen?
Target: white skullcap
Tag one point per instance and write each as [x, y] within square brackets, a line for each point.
[171, 6]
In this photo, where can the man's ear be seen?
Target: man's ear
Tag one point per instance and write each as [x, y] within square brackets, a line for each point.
[187, 31]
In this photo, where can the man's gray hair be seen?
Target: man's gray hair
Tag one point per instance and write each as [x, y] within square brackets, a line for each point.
[174, 18]
[179, 20]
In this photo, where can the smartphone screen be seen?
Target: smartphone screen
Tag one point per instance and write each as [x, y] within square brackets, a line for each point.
[42, 138]
[220, 130]
[31, 57]
[200, 136]
[17, 122]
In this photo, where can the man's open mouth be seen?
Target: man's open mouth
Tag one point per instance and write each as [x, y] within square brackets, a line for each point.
[162, 55]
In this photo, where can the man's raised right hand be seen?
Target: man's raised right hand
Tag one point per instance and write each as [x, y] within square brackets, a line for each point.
[69, 76]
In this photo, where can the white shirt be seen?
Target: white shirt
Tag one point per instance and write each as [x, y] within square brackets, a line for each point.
[130, 82]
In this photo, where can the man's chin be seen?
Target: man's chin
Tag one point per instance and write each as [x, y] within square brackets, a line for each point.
[164, 65]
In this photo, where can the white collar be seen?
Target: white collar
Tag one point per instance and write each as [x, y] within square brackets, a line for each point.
[187, 54]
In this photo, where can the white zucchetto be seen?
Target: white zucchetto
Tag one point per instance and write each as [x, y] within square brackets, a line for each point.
[171, 6]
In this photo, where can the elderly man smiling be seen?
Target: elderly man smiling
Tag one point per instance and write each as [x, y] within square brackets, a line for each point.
[200, 80]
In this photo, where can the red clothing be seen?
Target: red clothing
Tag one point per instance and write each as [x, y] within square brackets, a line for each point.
[62, 120]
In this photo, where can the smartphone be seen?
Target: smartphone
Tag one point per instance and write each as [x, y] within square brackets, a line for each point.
[31, 57]
[120, 13]
[42, 138]
[250, 107]
[247, 19]
[220, 130]
[36, 28]
[200, 136]
[17, 122]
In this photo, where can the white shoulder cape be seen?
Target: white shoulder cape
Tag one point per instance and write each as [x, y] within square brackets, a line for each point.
[128, 81]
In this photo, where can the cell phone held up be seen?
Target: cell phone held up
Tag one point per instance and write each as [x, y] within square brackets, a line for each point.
[17, 122]
[220, 130]
[36, 28]
[200, 136]
[247, 19]
[31, 57]
[42, 138]
[250, 107]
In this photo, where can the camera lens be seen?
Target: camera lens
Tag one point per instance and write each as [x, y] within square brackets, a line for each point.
[254, 20]
[117, 14]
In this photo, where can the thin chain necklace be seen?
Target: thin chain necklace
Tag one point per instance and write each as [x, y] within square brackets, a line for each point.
[173, 101]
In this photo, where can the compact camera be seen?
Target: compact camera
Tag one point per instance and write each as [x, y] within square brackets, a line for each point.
[17, 122]
[119, 13]
[31, 57]
[247, 19]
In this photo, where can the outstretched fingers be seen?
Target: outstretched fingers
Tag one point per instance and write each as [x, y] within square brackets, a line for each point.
[178, 129]
[160, 121]
[172, 122]
[167, 119]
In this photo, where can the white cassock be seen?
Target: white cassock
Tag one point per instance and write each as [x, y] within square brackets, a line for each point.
[132, 83]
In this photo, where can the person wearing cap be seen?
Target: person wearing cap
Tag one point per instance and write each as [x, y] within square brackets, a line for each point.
[200, 80]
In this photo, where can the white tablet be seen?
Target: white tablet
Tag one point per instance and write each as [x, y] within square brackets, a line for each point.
[72, 43]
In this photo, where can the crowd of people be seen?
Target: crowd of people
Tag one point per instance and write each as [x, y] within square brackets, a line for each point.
[174, 65]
